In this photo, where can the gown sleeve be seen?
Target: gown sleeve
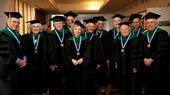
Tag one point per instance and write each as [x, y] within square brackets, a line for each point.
[86, 56]
[5, 56]
[51, 51]
[162, 47]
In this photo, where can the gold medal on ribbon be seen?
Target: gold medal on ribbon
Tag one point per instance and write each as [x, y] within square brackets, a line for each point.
[148, 45]
[36, 51]
[122, 50]
[20, 46]
[62, 44]
[78, 53]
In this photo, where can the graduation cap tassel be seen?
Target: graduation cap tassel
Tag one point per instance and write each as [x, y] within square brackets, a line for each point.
[144, 23]
[28, 31]
[117, 30]
[131, 27]
[9, 21]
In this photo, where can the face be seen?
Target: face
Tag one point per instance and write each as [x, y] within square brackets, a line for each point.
[77, 31]
[116, 21]
[100, 25]
[125, 30]
[58, 25]
[151, 24]
[45, 27]
[14, 23]
[90, 27]
[70, 20]
[136, 23]
[35, 28]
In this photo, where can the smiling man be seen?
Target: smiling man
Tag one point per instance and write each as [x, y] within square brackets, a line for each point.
[136, 20]
[12, 59]
[156, 45]
[124, 60]
[70, 19]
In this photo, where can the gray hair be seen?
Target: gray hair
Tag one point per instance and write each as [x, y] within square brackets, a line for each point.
[41, 28]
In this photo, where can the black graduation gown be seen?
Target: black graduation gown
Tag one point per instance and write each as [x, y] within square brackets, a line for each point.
[139, 76]
[110, 40]
[57, 78]
[97, 54]
[10, 74]
[126, 61]
[140, 31]
[168, 73]
[76, 77]
[96, 58]
[37, 64]
[67, 30]
[155, 79]
[103, 40]
[102, 72]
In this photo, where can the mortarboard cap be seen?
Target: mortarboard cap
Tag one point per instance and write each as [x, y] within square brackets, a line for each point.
[89, 21]
[79, 24]
[70, 13]
[13, 14]
[33, 21]
[150, 15]
[99, 18]
[133, 16]
[43, 23]
[57, 18]
[124, 23]
[118, 15]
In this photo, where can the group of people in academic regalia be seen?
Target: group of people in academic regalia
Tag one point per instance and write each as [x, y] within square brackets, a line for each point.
[74, 59]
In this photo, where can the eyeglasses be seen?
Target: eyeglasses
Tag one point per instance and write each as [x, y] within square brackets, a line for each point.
[70, 20]
[150, 22]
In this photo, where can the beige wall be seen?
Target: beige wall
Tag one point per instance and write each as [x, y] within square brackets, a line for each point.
[142, 5]
[11, 6]
[3, 7]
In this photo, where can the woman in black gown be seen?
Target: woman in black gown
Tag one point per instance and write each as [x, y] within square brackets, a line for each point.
[36, 72]
[78, 58]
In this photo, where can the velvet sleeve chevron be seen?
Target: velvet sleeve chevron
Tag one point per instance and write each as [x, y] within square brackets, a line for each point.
[4, 53]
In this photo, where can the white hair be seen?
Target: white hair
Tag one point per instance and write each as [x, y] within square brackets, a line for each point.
[41, 28]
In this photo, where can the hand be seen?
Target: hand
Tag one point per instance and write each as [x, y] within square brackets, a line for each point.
[75, 62]
[52, 67]
[115, 66]
[80, 60]
[98, 66]
[22, 63]
[108, 61]
[134, 70]
[148, 61]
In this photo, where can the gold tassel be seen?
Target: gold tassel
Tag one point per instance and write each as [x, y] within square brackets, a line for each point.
[117, 30]
[144, 23]
[9, 21]
[28, 29]
[144, 31]
[131, 27]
